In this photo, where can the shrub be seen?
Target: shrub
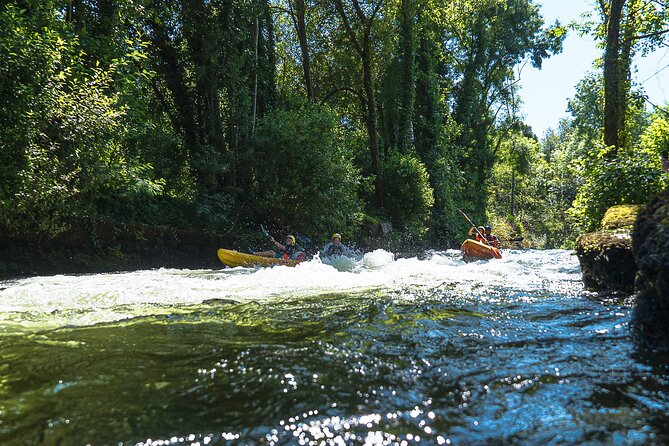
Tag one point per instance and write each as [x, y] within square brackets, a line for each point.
[408, 194]
[303, 173]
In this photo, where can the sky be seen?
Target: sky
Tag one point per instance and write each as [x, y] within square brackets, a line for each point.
[545, 92]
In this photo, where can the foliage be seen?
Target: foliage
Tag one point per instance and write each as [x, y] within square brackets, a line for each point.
[64, 142]
[633, 178]
[303, 174]
[409, 197]
[198, 114]
[486, 41]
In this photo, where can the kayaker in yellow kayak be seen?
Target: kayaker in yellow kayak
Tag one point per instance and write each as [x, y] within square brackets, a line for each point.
[286, 252]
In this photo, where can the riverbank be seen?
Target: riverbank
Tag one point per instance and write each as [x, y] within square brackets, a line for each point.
[109, 247]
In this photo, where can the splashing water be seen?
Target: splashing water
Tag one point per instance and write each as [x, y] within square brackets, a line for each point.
[385, 351]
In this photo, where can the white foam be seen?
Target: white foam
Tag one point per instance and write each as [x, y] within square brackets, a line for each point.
[89, 299]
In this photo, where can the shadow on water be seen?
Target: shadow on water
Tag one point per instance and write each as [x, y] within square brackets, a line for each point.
[428, 359]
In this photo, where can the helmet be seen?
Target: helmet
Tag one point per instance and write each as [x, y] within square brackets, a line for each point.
[481, 228]
[292, 238]
[336, 235]
[488, 228]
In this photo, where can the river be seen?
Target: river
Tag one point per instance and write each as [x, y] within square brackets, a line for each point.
[398, 352]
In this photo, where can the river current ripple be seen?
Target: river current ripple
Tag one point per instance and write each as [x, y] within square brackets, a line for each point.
[399, 352]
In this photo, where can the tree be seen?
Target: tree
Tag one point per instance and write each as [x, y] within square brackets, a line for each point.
[615, 76]
[486, 40]
[360, 39]
[626, 27]
[407, 86]
[304, 175]
[215, 65]
[298, 12]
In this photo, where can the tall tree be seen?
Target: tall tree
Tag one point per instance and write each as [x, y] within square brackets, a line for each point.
[360, 39]
[486, 40]
[215, 65]
[298, 12]
[408, 85]
[627, 27]
[614, 74]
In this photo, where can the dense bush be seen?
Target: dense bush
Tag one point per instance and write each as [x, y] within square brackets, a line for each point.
[61, 130]
[408, 195]
[303, 174]
[632, 177]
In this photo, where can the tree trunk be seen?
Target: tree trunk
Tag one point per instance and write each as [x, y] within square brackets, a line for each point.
[408, 79]
[371, 124]
[613, 100]
[513, 192]
[364, 51]
[299, 17]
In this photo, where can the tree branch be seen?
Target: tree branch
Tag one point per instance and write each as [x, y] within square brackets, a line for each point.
[602, 6]
[347, 26]
[337, 90]
[646, 36]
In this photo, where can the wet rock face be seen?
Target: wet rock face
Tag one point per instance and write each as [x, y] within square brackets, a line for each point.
[650, 318]
[606, 255]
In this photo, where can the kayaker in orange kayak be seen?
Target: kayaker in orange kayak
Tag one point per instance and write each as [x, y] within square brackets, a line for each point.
[479, 238]
[491, 239]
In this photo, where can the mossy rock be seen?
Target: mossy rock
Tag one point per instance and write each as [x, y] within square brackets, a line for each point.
[621, 217]
[606, 255]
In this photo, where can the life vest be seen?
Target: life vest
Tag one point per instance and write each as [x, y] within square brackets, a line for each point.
[335, 249]
[493, 241]
[288, 252]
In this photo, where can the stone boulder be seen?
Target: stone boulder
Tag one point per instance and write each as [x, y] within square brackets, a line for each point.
[650, 317]
[606, 255]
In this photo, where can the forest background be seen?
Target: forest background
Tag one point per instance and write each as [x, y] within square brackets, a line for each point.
[316, 116]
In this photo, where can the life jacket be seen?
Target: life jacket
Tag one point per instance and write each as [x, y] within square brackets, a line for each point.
[493, 241]
[288, 252]
[335, 249]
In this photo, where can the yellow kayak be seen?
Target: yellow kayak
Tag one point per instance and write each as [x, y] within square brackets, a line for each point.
[473, 248]
[236, 258]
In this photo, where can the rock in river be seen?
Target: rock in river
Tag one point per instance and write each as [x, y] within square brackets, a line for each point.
[650, 318]
[606, 255]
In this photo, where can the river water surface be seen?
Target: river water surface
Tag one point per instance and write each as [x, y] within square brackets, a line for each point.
[409, 351]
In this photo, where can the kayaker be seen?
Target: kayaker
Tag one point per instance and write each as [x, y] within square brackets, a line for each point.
[478, 238]
[335, 247]
[492, 239]
[286, 252]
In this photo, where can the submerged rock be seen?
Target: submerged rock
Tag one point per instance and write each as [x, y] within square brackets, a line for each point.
[650, 317]
[606, 255]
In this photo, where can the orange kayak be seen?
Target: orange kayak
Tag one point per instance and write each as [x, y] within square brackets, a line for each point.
[472, 248]
[235, 258]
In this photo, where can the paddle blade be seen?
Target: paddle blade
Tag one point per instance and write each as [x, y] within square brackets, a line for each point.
[264, 231]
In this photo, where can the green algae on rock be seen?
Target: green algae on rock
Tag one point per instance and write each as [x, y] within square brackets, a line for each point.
[606, 255]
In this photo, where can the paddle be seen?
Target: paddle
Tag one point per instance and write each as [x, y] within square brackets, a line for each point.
[475, 228]
[264, 231]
